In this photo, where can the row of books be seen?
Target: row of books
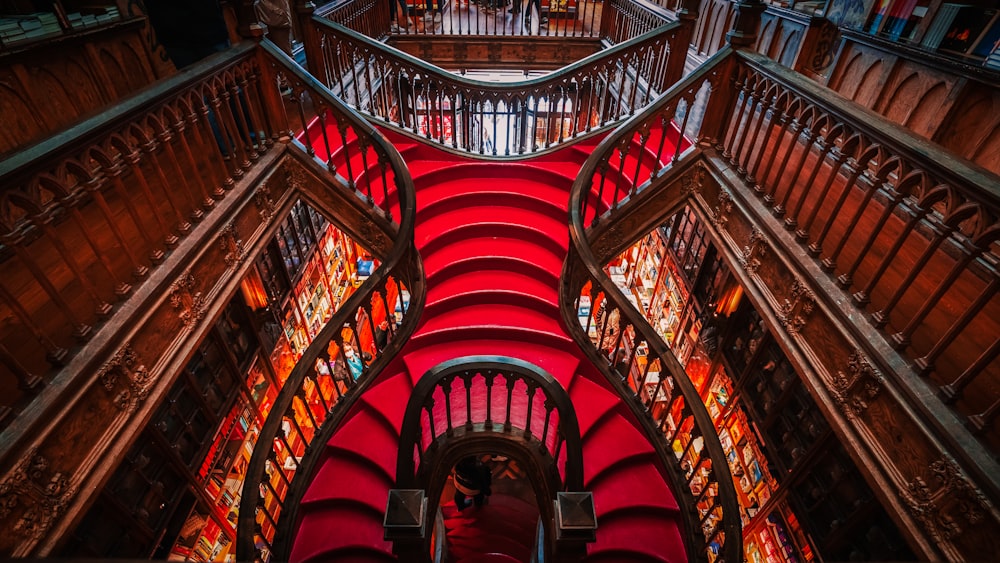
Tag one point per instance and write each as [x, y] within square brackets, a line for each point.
[17, 28]
[29, 26]
[960, 29]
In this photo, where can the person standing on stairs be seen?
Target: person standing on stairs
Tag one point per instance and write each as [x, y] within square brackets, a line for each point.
[473, 480]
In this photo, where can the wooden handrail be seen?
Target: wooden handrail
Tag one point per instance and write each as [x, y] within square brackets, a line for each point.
[612, 21]
[479, 376]
[683, 435]
[271, 492]
[491, 120]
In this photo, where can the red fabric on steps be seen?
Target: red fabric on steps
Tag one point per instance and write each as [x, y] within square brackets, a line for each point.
[487, 299]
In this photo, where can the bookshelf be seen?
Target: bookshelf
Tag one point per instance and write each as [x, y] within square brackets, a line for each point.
[25, 21]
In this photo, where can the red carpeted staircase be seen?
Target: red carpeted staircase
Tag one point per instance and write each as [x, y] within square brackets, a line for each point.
[503, 530]
[493, 237]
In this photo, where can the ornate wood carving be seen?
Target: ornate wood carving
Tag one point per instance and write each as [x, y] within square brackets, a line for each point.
[232, 244]
[943, 504]
[720, 213]
[754, 251]
[855, 389]
[126, 379]
[190, 304]
[944, 501]
[42, 492]
[66, 446]
[794, 312]
[52, 85]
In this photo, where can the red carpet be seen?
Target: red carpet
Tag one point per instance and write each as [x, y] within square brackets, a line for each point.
[493, 238]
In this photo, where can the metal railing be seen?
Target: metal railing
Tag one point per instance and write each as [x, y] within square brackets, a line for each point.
[394, 290]
[491, 119]
[662, 396]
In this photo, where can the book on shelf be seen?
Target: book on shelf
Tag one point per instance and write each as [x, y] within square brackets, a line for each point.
[966, 27]
[989, 39]
[942, 22]
[993, 61]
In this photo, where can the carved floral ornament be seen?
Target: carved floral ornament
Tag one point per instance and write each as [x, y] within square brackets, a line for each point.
[264, 202]
[794, 312]
[945, 511]
[858, 387]
[135, 379]
[694, 180]
[43, 492]
[755, 249]
[190, 304]
[720, 213]
[233, 246]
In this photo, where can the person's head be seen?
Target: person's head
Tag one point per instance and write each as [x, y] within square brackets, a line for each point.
[349, 350]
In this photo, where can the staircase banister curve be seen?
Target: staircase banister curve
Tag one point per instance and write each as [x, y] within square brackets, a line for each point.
[410, 431]
[569, 103]
[401, 263]
[504, 87]
[581, 255]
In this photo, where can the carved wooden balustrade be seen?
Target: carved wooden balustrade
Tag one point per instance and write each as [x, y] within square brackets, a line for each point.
[88, 215]
[158, 207]
[498, 403]
[507, 19]
[642, 149]
[368, 165]
[943, 99]
[912, 239]
[498, 120]
[874, 253]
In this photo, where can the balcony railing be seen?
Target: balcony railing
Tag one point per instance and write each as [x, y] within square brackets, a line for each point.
[110, 197]
[663, 398]
[908, 232]
[498, 120]
[903, 232]
[490, 394]
[374, 169]
[614, 21]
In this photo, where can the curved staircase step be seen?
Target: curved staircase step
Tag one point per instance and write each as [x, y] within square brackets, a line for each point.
[592, 402]
[368, 436]
[439, 230]
[523, 195]
[539, 182]
[482, 249]
[368, 482]
[609, 442]
[315, 542]
[634, 536]
[504, 318]
[384, 396]
[560, 364]
[484, 281]
[529, 266]
[616, 490]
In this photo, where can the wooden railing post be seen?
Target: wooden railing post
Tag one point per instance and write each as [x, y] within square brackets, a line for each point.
[720, 102]
[687, 14]
[304, 9]
[274, 108]
[744, 32]
[246, 17]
